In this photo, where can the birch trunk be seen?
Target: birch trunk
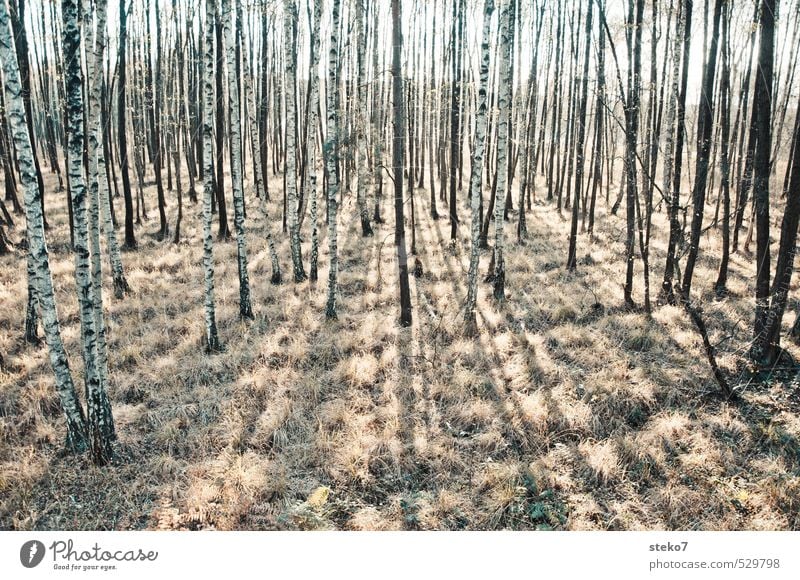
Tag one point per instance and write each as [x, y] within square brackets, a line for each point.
[676, 161]
[100, 422]
[245, 305]
[705, 122]
[761, 351]
[95, 73]
[331, 158]
[290, 54]
[39, 263]
[361, 122]
[669, 122]
[257, 162]
[572, 262]
[398, 159]
[122, 147]
[313, 123]
[212, 337]
[504, 104]
[476, 171]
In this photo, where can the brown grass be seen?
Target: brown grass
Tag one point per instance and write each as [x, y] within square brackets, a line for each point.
[561, 415]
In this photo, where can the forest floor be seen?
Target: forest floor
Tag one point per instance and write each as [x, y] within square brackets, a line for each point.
[568, 412]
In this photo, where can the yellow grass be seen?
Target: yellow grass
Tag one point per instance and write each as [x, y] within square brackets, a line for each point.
[562, 414]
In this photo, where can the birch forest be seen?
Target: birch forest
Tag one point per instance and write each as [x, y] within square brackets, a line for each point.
[399, 264]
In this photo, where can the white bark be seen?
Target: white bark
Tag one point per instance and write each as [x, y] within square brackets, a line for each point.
[476, 170]
[259, 175]
[290, 54]
[100, 422]
[504, 102]
[313, 120]
[672, 99]
[212, 337]
[245, 306]
[331, 157]
[77, 439]
[95, 153]
[361, 122]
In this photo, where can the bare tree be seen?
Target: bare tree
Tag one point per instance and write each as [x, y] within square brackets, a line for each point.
[77, 435]
[398, 157]
[476, 172]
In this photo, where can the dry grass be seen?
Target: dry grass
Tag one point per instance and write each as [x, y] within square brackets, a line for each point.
[563, 414]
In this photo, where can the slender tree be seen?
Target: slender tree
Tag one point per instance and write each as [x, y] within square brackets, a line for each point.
[100, 421]
[21, 44]
[258, 172]
[476, 172]
[361, 120]
[77, 439]
[760, 351]
[720, 286]
[313, 122]
[579, 162]
[398, 160]
[498, 269]
[163, 229]
[245, 306]
[332, 158]
[705, 122]
[122, 130]
[634, 38]
[212, 342]
[224, 232]
[292, 200]
[455, 110]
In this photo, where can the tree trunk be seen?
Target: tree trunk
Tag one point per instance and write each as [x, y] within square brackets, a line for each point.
[572, 262]
[398, 160]
[212, 342]
[290, 34]
[476, 173]
[332, 158]
[760, 352]
[77, 435]
[122, 130]
[705, 122]
[720, 286]
[99, 418]
[498, 274]
[361, 121]
[245, 306]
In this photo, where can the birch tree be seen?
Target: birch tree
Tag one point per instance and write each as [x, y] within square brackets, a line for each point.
[292, 200]
[476, 172]
[361, 121]
[94, 68]
[762, 108]
[498, 274]
[122, 131]
[99, 195]
[572, 262]
[721, 285]
[77, 438]
[212, 342]
[674, 163]
[100, 420]
[313, 125]
[332, 157]
[398, 157]
[245, 306]
[258, 176]
[705, 123]
[634, 41]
